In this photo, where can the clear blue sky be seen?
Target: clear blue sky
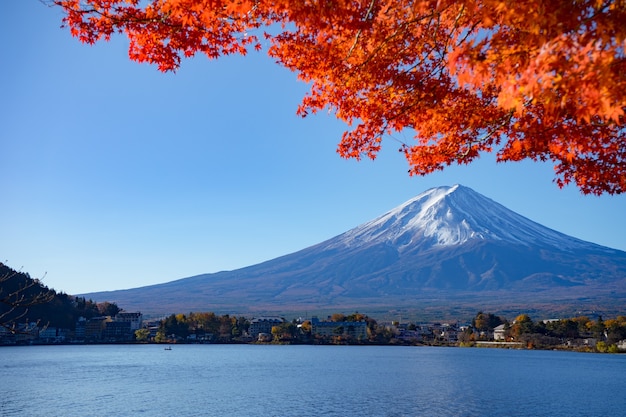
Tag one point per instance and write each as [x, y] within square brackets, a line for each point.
[115, 175]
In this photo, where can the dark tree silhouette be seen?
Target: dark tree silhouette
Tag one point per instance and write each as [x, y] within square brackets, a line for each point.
[18, 293]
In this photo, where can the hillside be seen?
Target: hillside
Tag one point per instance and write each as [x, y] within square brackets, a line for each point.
[27, 300]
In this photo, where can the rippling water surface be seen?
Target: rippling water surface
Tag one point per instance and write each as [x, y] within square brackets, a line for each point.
[252, 380]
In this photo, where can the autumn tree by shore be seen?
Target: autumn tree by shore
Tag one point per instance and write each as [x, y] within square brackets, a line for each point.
[535, 80]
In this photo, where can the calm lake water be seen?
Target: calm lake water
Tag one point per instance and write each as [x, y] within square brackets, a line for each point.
[251, 380]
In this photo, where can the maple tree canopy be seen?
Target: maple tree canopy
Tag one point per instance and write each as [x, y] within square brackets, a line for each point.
[538, 79]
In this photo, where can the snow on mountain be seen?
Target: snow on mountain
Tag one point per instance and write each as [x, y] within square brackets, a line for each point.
[449, 216]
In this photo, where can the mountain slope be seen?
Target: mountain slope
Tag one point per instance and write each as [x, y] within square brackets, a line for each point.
[448, 243]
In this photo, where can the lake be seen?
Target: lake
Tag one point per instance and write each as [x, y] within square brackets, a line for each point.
[272, 380]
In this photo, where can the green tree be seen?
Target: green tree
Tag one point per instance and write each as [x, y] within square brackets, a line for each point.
[160, 336]
[284, 331]
[242, 324]
[567, 328]
[583, 323]
[86, 308]
[601, 347]
[175, 325]
[598, 329]
[141, 335]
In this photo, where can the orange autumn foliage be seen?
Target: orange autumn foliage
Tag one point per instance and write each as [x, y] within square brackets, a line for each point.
[537, 79]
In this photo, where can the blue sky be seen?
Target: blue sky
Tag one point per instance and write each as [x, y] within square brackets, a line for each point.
[115, 175]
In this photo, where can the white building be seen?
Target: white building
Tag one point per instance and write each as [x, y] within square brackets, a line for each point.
[498, 333]
[135, 319]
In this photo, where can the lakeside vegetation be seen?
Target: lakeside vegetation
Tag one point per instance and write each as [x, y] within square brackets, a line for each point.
[578, 333]
[31, 313]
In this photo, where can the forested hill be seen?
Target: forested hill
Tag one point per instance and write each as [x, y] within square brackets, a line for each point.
[25, 300]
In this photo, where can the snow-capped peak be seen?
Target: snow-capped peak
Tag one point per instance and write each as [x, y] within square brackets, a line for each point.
[447, 216]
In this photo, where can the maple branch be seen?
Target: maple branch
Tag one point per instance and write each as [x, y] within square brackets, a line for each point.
[358, 34]
[504, 120]
[401, 29]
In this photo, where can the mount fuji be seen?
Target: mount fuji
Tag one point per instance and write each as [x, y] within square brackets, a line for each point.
[450, 250]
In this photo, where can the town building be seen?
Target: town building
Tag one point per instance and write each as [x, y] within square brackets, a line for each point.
[264, 325]
[94, 328]
[48, 334]
[499, 333]
[79, 332]
[449, 333]
[118, 331]
[135, 319]
[355, 329]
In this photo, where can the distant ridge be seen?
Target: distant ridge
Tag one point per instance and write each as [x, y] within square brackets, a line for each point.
[449, 249]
